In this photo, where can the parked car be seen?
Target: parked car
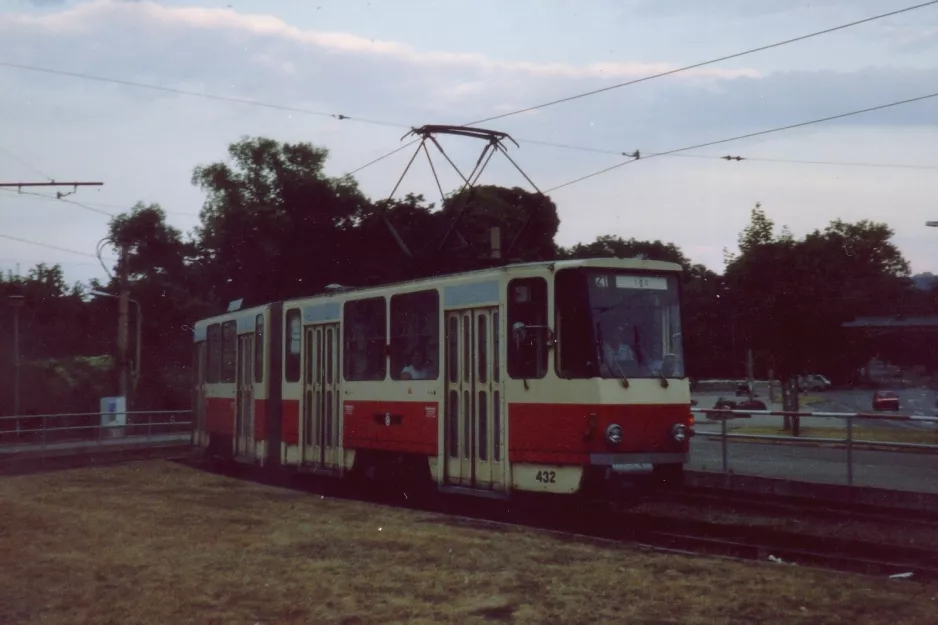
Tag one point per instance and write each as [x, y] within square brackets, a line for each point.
[732, 404]
[814, 382]
[885, 400]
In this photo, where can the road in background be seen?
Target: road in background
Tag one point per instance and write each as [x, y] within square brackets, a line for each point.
[913, 401]
[823, 464]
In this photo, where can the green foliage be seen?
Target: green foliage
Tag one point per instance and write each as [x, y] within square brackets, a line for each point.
[791, 296]
[511, 210]
[275, 226]
[610, 246]
[760, 231]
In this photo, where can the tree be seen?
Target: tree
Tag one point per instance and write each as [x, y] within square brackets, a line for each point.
[760, 231]
[168, 280]
[530, 218]
[611, 246]
[274, 226]
[54, 325]
[377, 227]
[791, 297]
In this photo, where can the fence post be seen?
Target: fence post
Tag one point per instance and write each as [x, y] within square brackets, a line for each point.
[42, 424]
[723, 443]
[850, 450]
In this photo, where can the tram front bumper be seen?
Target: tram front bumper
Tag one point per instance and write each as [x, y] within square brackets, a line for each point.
[635, 463]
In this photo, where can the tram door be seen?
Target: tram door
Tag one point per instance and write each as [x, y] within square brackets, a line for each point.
[199, 393]
[473, 426]
[321, 398]
[244, 419]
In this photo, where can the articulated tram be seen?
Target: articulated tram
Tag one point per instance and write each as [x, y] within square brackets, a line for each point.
[542, 377]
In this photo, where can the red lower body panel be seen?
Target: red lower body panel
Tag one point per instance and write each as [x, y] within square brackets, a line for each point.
[219, 415]
[260, 419]
[291, 422]
[393, 426]
[569, 433]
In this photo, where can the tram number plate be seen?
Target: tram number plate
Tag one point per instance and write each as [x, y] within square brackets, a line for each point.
[547, 477]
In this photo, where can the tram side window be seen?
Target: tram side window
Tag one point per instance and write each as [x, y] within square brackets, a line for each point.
[365, 325]
[213, 357]
[229, 347]
[415, 336]
[527, 328]
[259, 348]
[293, 336]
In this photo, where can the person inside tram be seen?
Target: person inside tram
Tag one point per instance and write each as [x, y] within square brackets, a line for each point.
[418, 368]
[618, 355]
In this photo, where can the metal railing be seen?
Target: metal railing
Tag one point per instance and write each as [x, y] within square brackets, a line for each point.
[76, 432]
[848, 440]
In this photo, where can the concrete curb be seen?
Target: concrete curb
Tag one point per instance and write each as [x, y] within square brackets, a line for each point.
[841, 494]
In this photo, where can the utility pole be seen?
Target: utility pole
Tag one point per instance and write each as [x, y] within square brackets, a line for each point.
[749, 370]
[495, 240]
[16, 302]
[122, 333]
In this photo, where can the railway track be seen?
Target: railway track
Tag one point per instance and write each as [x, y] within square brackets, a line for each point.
[801, 506]
[753, 543]
[652, 531]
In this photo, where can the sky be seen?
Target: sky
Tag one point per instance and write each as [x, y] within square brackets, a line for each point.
[413, 62]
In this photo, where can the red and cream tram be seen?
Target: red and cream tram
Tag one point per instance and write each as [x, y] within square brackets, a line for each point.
[546, 377]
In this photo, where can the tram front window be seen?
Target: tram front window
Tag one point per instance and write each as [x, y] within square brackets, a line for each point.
[618, 324]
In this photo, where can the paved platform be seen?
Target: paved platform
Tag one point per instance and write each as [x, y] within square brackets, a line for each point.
[90, 446]
[916, 472]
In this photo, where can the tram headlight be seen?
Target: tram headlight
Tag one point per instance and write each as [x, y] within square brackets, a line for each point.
[679, 432]
[614, 434]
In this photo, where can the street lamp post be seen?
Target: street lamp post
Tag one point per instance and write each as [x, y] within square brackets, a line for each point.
[16, 302]
[136, 371]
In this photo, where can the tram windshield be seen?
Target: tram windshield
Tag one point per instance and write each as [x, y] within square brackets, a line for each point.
[618, 324]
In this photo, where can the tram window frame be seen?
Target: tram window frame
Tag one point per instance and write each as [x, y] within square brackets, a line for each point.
[259, 333]
[291, 358]
[229, 352]
[407, 335]
[369, 316]
[213, 354]
[534, 311]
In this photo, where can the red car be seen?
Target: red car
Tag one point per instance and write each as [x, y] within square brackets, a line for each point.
[885, 400]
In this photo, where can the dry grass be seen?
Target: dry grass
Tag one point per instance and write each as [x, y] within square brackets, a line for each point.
[860, 433]
[161, 543]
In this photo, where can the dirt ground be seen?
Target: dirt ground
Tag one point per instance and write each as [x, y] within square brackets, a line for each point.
[158, 542]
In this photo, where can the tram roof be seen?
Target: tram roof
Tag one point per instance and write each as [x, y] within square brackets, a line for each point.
[610, 263]
[464, 276]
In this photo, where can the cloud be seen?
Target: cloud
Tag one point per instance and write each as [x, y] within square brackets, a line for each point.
[89, 16]
[263, 58]
[145, 143]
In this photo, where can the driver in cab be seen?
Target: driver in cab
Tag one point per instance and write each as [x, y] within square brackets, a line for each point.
[618, 355]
